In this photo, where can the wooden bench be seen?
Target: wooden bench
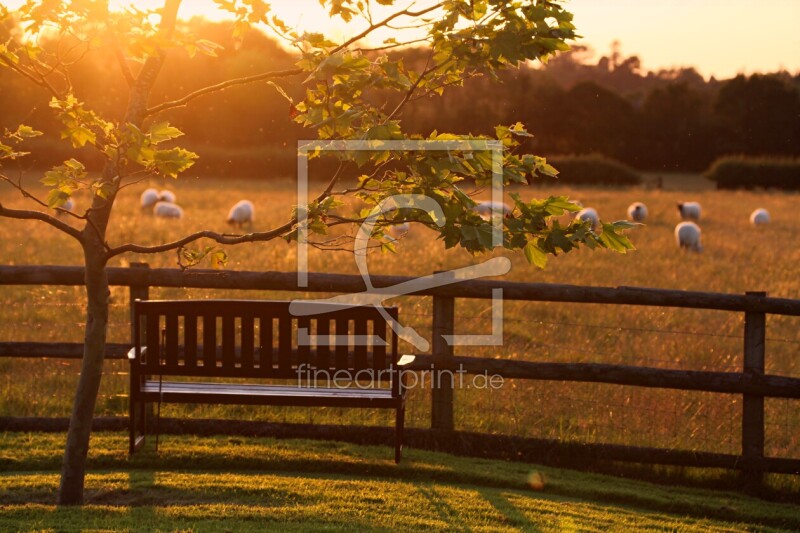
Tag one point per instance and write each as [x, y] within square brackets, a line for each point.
[329, 355]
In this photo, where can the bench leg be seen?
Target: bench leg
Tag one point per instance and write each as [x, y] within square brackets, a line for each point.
[398, 433]
[136, 426]
[131, 426]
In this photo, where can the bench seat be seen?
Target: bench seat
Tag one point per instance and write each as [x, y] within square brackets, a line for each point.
[201, 392]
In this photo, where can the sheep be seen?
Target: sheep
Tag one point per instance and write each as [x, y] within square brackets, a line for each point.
[69, 205]
[241, 213]
[398, 230]
[485, 209]
[687, 235]
[167, 196]
[637, 212]
[167, 210]
[759, 217]
[148, 199]
[689, 211]
[589, 214]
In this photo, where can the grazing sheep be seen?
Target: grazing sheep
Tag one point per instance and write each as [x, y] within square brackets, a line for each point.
[148, 199]
[398, 230]
[689, 211]
[589, 214]
[637, 212]
[687, 235]
[485, 209]
[241, 213]
[167, 196]
[69, 205]
[759, 216]
[167, 210]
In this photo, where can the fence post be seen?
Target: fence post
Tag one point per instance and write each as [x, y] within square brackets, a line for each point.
[442, 383]
[755, 326]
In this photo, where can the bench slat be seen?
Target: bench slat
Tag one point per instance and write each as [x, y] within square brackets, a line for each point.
[303, 340]
[284, 342]
[190, 340]
[359, 345]
[342, 348]
[228, 341]
[246, 388]
[153, 341]
[209, 341]
[265, 338]
[323, 359]
[379, 345]
[171, 343]
[248, 342]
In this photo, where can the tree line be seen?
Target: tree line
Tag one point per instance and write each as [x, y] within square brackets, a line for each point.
[669, 120]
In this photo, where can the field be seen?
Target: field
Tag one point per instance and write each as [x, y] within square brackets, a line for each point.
[737, 258]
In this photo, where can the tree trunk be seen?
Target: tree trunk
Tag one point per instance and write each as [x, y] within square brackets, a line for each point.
[80, 423]
[73, 470]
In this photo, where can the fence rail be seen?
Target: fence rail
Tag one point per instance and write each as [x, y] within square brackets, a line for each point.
[752, 382]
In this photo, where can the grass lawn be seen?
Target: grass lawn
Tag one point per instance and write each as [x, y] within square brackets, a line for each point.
[244, 484]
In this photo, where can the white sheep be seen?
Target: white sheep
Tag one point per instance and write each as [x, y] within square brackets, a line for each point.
[760, 216]
[485, 209]
[687, 235]
[69, 205]
[398, 230]
[637, 212]
[241, 213]
[167, 196]
[148, 199]
[589, 214]
[167, 210]
[689, 211]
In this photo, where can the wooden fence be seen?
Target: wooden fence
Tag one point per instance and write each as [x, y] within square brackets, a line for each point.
[752, 382]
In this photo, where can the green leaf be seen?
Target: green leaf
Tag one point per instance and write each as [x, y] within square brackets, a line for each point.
[26, 132]
[163, 132]
[172, 162]
[615, 241]
[56, 198]
[535, 255]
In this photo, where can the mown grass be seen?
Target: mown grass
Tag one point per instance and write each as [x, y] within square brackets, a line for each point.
[248, 484]
[738, 257]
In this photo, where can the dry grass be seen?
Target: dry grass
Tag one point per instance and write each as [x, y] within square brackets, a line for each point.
[738, 257]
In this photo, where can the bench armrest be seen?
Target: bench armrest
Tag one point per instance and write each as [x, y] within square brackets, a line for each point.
[132, 353]
[406, 360]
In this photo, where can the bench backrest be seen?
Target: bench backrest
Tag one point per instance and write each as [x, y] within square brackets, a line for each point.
[257, 338]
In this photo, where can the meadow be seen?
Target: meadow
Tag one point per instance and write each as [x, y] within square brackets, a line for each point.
[737, 258]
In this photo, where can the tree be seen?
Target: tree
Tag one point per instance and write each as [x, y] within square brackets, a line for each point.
[760, 115]
[339, 81]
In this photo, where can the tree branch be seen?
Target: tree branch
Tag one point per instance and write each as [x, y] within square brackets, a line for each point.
[123, 63]
[24, 214]
[180, 102]
[385, 22]
[222, 238]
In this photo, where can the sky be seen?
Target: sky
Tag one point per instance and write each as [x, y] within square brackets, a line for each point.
[718, 37]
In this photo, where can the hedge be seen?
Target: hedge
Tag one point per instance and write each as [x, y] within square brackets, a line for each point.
[593, 169]
[741, 172]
